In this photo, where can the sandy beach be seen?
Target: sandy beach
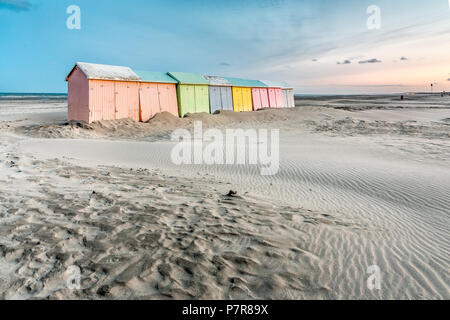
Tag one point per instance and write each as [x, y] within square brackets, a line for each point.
[363, 181]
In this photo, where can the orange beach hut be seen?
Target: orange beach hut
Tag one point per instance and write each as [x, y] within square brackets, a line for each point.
[157, 93]
[102, 92]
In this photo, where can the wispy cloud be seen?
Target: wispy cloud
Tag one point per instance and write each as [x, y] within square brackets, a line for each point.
[15, 5]
[345, 62]
[403, 59]
[370, 61]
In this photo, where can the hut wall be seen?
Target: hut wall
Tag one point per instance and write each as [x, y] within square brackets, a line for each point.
[127, 100]
[148, 101]
[275, 98]
[242, 99]
[237, 99]
[157, 97]
[272, 97]
[186, 99]
[78, 97]
[201, 98]
[285, 98]
[227, 98]
[279, 95]
[221, 98]
[167, 93]
[260, 98]
[215, 99]
[101, 100]
[256, 99]
[290, 98]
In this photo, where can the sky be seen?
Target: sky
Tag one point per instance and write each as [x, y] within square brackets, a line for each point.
[318, 46]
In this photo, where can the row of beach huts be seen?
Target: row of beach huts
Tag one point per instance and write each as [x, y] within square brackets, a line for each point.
[101, 92]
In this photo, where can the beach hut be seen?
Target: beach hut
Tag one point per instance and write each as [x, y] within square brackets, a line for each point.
[192, 93]
[275, 94]
[242, 93]
[288, 95]
[101, 92]
[260, 98]
[157, 93]
[220, 94]
[277, 88]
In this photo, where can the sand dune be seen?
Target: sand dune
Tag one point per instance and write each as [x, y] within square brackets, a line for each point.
[354, 189]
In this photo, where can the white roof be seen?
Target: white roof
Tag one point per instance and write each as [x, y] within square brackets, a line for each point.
[105, 72]
[277, 84]
[217, 81]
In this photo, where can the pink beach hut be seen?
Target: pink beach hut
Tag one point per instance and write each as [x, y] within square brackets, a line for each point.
[281, 94]
[100, 92]
[260, 98]
[275, 94]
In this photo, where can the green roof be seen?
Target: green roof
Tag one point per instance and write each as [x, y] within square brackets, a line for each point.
[237, 82]
[156, 77]
[188, 78]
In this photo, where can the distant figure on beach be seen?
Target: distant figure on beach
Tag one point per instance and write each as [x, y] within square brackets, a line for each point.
[401, 98]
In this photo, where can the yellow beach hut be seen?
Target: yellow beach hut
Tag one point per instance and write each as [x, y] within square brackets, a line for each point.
[242, 93]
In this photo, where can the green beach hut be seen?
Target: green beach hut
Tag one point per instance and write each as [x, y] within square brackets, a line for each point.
[192, 92]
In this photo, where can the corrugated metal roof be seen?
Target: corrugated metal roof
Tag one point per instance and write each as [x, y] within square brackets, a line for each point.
[217, 81]
[188, 78]
[237, 82]
[106, 72]
[155, 77]
[277, 84]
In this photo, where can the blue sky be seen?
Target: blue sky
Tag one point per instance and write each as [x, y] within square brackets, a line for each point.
[318, 46]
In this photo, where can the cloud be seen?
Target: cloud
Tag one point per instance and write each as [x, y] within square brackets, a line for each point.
[15, 5]
[370, 61]
[403, 59]
[448, 79]
[345, 62]
[225, 64]
[314, 60]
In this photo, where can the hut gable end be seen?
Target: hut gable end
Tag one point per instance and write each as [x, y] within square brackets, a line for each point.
[105, 72]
